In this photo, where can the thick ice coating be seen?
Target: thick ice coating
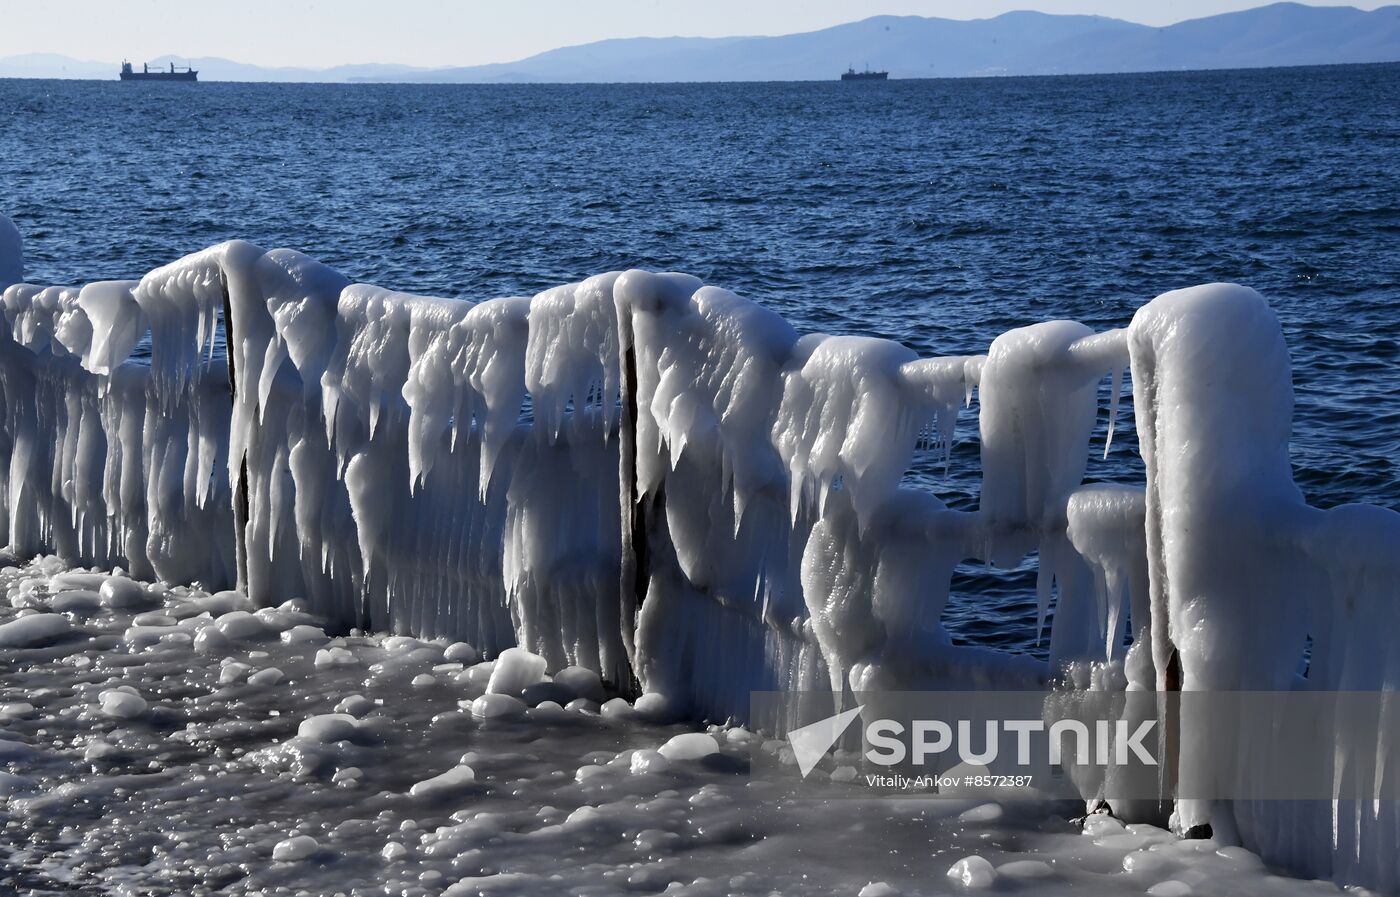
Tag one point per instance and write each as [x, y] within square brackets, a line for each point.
[110, 461]
[844, 417]
[572, 357]
[1106, 528]
[1242, 571]
[438, 467]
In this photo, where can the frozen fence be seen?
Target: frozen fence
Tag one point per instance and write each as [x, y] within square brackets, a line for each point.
[107, 461]
[443, 468]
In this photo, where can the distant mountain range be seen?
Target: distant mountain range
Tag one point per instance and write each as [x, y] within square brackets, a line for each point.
[1017, 43]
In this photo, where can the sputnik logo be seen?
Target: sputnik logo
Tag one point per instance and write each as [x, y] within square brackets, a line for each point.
[811, 742]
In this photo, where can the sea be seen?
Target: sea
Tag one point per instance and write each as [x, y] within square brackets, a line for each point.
[938, 213]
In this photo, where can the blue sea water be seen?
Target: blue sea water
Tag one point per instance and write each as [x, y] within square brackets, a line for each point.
[937, 213]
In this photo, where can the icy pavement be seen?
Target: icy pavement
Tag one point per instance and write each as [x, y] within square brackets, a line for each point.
[162, 740]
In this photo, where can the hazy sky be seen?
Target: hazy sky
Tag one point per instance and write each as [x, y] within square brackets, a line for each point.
[320, 33]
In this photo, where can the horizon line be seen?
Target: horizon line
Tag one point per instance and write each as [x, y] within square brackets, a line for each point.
[373, 82]
[734, 37]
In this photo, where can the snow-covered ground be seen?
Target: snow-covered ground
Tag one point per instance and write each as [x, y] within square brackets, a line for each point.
[162, 740]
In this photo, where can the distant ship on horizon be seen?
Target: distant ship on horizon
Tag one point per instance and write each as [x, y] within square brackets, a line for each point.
[851, 74]
[184, 74]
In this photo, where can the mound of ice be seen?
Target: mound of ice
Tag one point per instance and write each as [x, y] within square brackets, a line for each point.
[33, 629]
[973, 873]
[1025, 869]
[78, 602]
[444, 784]
[87, 582]
[120, 592]
[689, 746]
[645, 761]
[209, 640]
[335, 656]
[266, 678]
[12, 710]
[239, 625]
[296, 848]
[515, 670]
[498, 706]
[303, 634]
[328, 728]
[617, 709]
[584, 683]
[122, 704]
[461, 652]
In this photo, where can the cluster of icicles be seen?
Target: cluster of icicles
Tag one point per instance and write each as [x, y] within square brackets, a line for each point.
[447, 468]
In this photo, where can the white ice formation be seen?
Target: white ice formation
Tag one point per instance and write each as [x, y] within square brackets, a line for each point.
[108, 461]
[444, 468]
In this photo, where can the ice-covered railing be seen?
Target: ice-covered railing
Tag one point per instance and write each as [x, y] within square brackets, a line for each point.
[767, 466]
[780, 551]
[385, 474]
[107, 460]
[443, 468]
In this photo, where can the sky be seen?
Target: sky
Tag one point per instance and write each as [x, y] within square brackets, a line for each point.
[322, 33]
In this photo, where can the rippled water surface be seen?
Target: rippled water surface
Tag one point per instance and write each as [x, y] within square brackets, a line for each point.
[937, 213]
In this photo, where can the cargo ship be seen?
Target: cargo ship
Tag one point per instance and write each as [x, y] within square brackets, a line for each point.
[174, 74]
[852, 75]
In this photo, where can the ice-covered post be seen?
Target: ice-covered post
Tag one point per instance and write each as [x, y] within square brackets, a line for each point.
[1039, 393]
[240, 496]
[642, 491]
[186, 303]
[635, 549]
[1213, 400]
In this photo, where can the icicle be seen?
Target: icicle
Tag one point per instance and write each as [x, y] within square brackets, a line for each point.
[493, 359]
[573, 350]
[842, 416]
[937, 385]
[1116, 391]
